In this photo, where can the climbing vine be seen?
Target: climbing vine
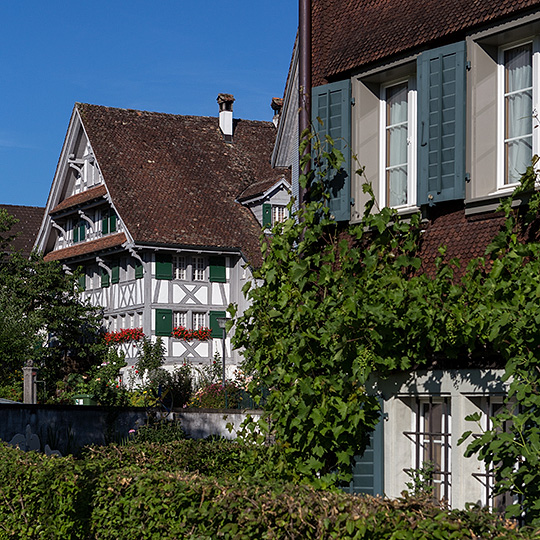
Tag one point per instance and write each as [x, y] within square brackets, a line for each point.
[333, 307]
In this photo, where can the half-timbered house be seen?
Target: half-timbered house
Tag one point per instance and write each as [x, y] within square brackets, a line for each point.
[145, 206]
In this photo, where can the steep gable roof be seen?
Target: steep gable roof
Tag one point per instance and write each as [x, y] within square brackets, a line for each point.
[348, 34]
[174, 180]
[27, 227]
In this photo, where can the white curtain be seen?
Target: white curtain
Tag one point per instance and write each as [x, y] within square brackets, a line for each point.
[518, 104]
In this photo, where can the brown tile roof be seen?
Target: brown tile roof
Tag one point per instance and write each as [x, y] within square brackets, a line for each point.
[27, 228]
[83, 248]
[80, 198]
[465, 237]
[348, 34]
[174, 180]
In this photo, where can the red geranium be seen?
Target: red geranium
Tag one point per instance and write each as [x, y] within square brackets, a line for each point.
[124, 336]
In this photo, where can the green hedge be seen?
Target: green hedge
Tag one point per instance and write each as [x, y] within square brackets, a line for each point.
[124, 493]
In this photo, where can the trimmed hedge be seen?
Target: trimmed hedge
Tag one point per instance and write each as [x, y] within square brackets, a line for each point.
[119, 493]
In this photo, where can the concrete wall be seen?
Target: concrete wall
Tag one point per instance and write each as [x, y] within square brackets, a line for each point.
[67, 428]
[204, 423]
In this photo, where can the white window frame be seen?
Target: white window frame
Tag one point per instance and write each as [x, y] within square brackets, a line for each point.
[411, 143]
[501, 113]
[199, 268]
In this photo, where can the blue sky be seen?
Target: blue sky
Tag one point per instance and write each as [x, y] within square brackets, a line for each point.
[170, 56]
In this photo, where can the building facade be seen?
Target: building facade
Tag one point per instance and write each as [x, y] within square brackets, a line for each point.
[438, 104]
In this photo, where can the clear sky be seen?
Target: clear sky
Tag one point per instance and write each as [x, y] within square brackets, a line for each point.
[171, 56]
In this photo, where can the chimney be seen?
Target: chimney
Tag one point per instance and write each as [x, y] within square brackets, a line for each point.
[225, 102]
[277, 105]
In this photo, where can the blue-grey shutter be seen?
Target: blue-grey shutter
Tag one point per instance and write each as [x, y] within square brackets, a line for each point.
[331, 103]
[368, 471]
[441, 124]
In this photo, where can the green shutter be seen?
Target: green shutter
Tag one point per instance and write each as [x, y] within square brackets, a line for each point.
[75, 233]
[112, 222]
[82, 231]
[217, 269]
[104, 278]
[331, 103]
[164, 269]
[266, 214]
[105, 224]
[368, 471]
[164, 322]
[217, 332]
[115, 272]
[441, 124]
[81, 281]
[139, 270]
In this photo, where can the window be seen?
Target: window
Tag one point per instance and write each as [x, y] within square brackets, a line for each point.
[180, 318]
[198, 268]
[108, 222]
[180, 267]
[279, 213]
[516, 111]
[491, 406]
[199, 320]
[431, 438]
[398, 145]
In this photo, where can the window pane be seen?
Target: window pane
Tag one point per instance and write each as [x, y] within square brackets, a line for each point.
[397, 185]
[198, 320]
[518, 158]
[180, 318]
[179, 262]
[518, 65]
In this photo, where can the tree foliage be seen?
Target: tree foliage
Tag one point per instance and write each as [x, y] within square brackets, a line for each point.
[331, 309]
[42, 317]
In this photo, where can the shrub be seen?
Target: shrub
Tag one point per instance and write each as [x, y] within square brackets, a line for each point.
[214, 396]
[164, 431]
[137, 491]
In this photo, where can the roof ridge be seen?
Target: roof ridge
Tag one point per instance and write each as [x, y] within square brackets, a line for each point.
[80, 105]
